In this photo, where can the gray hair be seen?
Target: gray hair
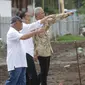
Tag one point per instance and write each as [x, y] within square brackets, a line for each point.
[37, 10]
[15, 18]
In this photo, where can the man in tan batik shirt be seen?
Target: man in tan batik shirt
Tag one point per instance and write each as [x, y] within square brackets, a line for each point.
[42, 45]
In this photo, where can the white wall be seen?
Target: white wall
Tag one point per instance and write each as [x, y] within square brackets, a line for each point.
[5, 16]
[5, 8]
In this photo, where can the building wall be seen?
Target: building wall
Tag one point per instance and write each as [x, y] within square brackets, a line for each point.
[5, 15]
[21, 4]
[5, 8]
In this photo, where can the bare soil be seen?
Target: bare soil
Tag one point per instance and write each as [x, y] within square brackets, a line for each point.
[63, 65]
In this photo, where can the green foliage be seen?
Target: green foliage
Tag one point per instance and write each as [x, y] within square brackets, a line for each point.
[69, 4]
[76, 3]
[83, 2]
[50, 10]
[82, 8]
[69, 38]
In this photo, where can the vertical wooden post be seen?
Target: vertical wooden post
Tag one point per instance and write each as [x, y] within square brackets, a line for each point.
[61, 6]
[13, 3]
[78, 64]
[43, 4]
[16, 3]
[20, 2]
[61, 10]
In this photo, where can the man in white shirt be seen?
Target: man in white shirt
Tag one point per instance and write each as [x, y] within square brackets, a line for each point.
[31, 75]
[16, 56]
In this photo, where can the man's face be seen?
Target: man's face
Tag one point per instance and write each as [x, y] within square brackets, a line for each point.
[41, 14]
[19, 25]
[27, 17]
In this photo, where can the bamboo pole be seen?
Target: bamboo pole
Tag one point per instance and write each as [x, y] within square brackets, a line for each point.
[78, 64]
[43, 4]
[61, 6]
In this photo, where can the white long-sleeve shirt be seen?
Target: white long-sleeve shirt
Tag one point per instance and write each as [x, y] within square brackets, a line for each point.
[28, 44]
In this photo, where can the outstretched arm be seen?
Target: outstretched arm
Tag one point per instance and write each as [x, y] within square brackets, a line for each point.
[46, 18]
[31, 34]
[58, 17]
[63, 15]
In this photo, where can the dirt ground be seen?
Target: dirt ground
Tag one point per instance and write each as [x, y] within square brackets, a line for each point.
[63, 67]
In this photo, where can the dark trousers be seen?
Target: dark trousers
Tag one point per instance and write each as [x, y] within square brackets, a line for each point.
[44, 63]
[31, 74]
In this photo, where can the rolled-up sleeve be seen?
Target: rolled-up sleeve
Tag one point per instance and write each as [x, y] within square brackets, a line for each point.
[14, 36]
[35, 25]
[61, 16]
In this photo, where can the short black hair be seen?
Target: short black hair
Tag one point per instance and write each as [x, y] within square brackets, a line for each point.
[18, 13]
[22, 14]
[15, 18]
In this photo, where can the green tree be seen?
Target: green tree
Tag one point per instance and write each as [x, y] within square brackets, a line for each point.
[77, 3]
[82, 8]
[83, 2]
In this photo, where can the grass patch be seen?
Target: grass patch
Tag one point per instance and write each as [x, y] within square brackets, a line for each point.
[70, 38]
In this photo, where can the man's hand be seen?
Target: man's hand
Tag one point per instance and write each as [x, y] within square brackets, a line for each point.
[65, 15]
[41, 30]
[51, 20]
[35, 57]
[52, 16]
[46, 17]
[70, 13]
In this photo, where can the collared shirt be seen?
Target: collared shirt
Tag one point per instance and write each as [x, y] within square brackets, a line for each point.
[42, 44]
[16, 56]
[28, 43]
[42, 40]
